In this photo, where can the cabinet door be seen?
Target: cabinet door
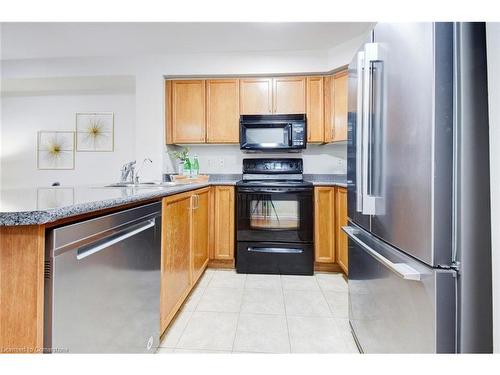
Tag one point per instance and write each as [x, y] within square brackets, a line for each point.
[224, 223]
[289, 95]
[324, 224]
[175, 257]
[329, 103]
[200, 225]
[315, 112]
[341, 221]
[256, 96]
[340, 100]
[223, 110]
[188, 111]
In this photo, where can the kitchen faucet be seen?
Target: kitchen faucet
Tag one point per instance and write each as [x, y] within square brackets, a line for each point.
[128, 170]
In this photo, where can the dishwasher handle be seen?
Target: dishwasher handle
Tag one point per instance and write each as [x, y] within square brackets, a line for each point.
[403, 270]
[88, 250]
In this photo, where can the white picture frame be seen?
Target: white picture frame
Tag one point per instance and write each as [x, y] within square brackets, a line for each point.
[95, 131]
[55, 150]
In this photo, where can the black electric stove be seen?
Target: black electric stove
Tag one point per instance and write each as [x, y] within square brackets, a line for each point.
[274, 218]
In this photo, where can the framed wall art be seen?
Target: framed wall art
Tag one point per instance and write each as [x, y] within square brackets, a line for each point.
[95, 131]
[56, 150]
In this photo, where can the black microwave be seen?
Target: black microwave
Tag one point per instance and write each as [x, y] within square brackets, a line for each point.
[285, 133]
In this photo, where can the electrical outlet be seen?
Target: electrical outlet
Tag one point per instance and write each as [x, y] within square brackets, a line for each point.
[221, 162]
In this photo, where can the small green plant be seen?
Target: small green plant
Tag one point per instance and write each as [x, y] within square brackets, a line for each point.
[181, 155]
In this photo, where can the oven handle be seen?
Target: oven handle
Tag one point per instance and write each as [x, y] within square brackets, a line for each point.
[275, 250]
[271, 191]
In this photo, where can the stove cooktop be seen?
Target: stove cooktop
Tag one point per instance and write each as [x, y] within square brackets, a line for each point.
[272, 183]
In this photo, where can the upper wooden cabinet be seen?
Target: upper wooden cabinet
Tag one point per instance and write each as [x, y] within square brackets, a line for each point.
[208, 111]
[324, 224]
[223, 244]
[341, 221]
[340, 106]
[223, 110]
[187, 111]
[256, 96]
[329, 102]
[314, 110]
[289, 95]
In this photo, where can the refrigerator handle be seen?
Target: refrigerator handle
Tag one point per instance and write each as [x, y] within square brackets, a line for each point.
[370, 55]
[359, 133]
[402, 269]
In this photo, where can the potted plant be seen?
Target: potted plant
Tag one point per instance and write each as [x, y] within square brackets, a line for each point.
[183, 160]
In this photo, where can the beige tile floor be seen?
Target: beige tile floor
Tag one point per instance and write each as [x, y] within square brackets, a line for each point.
[234, 313]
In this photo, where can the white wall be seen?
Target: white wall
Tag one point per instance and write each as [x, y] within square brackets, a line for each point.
[149, 99]
[23, 116]
[493, 45]
[228, 158]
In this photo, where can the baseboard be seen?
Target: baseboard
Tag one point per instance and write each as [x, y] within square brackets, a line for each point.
[327, 267]
[217, 263]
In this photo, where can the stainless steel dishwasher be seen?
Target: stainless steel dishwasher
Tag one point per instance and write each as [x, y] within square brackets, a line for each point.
[102, 283]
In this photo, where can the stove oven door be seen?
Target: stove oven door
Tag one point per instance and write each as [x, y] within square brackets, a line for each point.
[275, 214]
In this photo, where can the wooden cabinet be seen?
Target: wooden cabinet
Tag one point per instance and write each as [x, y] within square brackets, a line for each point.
[341, 221]
[185, 223]
[329, 103]
[314, 110]
[207, 111]
[262, 96]
[200, 228]
[256, 96]
[340, 106]
[223, 223]
[223, 110]
[324, 224]
[289, 95]
[187, 118]
[176, 255]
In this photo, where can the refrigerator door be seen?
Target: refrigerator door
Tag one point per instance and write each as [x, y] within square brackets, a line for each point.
[409, 137]
[354, 137]
[396, 303]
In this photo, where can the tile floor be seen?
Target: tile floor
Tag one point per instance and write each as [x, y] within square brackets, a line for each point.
[234, 313]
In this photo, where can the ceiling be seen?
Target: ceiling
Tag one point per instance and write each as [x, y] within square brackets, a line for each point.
[55, 40]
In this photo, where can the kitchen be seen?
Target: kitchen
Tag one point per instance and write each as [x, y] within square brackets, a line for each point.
[285, 230]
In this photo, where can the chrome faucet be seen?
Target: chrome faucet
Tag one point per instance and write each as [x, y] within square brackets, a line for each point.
[135, 173]
[128, 170]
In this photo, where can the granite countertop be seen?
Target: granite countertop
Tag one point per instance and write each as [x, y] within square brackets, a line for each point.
[41, 205]
[327, 179]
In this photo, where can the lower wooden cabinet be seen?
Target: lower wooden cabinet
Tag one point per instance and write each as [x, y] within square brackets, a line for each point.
[200, 235]
[223, 224]
[341, 221]
[330, 215]
[184, 248]
[175, 257]
[324, 224]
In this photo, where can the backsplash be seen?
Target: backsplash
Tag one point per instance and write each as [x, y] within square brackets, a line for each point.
[318, 159]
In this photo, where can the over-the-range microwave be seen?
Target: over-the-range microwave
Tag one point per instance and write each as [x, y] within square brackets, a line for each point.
[285, 133]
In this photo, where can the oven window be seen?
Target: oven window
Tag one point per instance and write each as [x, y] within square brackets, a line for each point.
[266, 136]
[268, 214]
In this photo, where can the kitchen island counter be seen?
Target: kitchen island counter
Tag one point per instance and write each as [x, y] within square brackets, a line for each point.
[42, 205]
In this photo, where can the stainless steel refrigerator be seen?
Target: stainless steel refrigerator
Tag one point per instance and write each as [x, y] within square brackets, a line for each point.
[418, 190]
